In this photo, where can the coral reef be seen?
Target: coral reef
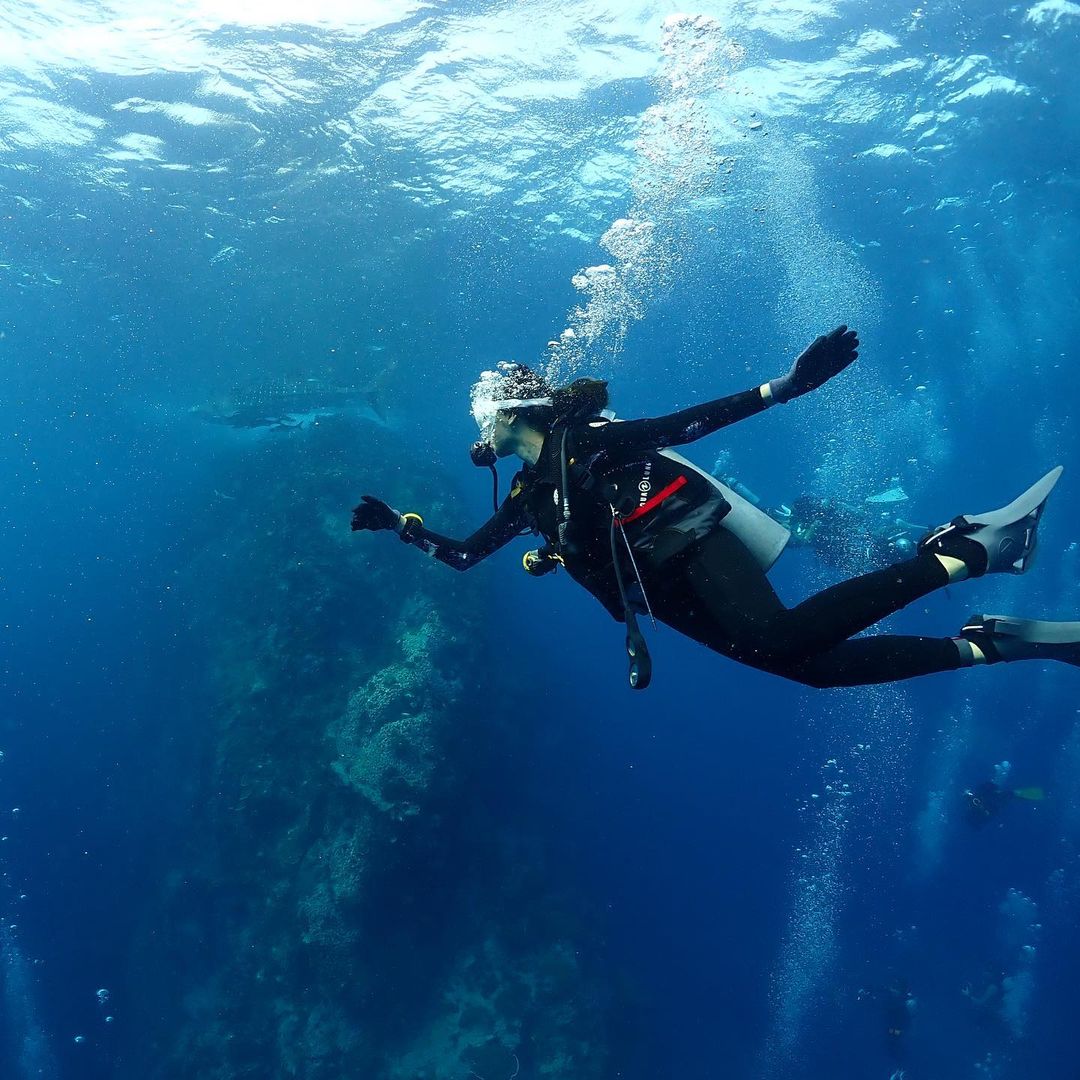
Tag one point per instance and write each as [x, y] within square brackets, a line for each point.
[350, 903]
[387, 739]
[500, 1011]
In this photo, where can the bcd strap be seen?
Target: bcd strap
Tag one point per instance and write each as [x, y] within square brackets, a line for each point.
[637, 651]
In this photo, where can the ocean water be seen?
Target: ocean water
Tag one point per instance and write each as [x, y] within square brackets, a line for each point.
[278, 800]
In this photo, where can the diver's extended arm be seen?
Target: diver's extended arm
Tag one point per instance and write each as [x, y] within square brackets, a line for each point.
[825, 357]
[373, 514]
[675, 429]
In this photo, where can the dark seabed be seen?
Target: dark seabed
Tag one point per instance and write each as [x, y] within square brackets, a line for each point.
[278, 800]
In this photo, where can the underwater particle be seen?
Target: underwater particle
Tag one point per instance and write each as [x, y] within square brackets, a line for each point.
[920, 388]
[102, 995]
[80, 1039]
[109, 1019]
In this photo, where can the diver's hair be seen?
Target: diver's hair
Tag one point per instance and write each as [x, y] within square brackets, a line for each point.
[578, 401]
[581, 400]
[520, 381]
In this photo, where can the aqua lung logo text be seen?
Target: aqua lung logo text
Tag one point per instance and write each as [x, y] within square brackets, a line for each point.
[645, 485]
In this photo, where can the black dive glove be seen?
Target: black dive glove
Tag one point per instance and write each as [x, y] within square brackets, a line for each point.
[819, 362]
[374, 514]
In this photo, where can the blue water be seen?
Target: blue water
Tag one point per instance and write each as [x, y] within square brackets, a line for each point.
[720, 877]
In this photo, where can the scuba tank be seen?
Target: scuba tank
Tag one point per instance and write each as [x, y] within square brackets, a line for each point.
[764, 536]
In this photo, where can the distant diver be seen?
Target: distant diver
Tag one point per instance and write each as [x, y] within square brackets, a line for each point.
[838, 531]
[645, 531]
[834, 530]
[987, 994]
[898, 1007]
[983, 803]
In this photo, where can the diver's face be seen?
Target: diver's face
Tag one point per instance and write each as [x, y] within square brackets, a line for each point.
[503, 440]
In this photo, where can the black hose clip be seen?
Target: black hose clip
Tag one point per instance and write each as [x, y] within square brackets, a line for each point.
[637, 651]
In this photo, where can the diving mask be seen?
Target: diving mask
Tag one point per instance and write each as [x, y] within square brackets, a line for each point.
[503, 390]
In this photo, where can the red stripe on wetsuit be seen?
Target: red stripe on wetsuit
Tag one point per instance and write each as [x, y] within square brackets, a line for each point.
[654, 502]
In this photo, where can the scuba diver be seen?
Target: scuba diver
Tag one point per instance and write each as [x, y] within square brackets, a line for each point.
[985, 802]
[836, 531]
[647, 532]
[987, 994]
[898, 1006]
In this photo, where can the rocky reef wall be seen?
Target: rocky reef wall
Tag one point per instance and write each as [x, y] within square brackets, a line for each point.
[351, 898]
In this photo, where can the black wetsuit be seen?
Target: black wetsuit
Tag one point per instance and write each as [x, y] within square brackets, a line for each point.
[700, 578]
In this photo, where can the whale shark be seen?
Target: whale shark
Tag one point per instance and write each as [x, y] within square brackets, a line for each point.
[290, 404]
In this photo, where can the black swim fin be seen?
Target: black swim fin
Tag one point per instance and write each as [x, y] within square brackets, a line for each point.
[1008, 536]
[1003, 637]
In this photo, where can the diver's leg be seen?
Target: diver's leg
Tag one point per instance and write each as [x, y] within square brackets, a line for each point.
[717, 594]
[743, 617]
[864, 661]
[836, 613]
[986, 639]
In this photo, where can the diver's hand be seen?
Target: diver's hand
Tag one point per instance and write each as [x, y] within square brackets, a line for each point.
[373, 514]
[539, 562]
[819, 362]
